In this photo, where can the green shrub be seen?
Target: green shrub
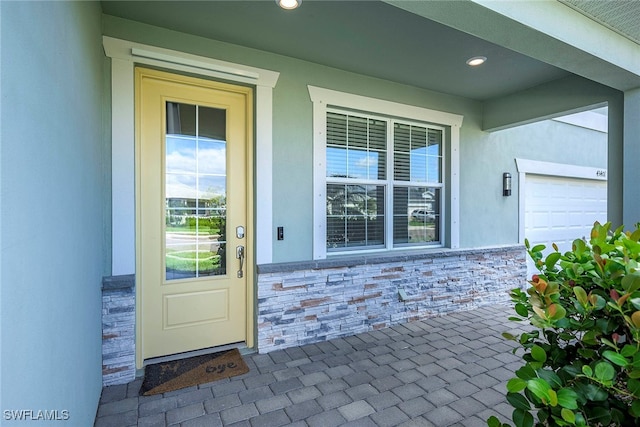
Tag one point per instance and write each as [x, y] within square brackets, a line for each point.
[582, 356]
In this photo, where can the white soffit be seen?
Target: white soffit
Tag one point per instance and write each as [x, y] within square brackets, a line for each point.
[621, 16]
[597, 120]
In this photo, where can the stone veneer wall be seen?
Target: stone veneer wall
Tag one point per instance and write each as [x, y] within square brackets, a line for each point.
[302, 303]
[118, 330]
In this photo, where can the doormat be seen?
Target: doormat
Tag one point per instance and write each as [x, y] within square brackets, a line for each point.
[177, 374]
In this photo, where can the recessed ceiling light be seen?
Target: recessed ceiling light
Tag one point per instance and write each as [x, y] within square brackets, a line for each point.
[476, 60]
[289, 4]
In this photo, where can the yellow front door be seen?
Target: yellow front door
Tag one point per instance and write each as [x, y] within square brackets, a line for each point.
[194, 144]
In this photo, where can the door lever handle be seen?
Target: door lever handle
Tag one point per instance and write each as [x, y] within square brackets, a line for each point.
[240, 256]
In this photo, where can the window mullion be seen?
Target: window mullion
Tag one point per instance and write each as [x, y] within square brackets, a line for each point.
[388, 238]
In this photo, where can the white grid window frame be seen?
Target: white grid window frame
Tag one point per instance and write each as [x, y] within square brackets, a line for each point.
[328, 100]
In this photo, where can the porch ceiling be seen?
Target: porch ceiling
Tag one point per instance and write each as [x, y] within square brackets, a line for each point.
[366, 37]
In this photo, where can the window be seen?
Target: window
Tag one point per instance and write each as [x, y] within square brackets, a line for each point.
[380, 175]
[363, 183]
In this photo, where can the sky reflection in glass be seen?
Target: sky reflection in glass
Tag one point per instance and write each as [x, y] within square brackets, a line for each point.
[188, 158]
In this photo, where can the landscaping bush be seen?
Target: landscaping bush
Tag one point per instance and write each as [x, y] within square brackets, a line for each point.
[582, 356]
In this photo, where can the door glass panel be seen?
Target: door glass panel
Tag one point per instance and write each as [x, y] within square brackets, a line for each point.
[195, 191]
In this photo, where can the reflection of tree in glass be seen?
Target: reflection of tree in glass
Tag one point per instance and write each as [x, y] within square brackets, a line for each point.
[354, 216]
[219, 204]
[351, 200]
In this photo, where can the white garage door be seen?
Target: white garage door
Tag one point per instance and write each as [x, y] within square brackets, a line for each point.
[559, 210]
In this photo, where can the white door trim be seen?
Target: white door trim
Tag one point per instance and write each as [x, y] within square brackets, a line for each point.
[536, 167]
[124, 55]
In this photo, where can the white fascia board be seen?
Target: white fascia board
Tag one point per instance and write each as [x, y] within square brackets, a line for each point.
[587, 120]
[559, 169]
[571, 27]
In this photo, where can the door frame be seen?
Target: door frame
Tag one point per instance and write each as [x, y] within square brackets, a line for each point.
[244, 91]
[125, 55]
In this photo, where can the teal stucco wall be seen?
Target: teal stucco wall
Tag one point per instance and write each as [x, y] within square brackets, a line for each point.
[54, 189]
[486, 217]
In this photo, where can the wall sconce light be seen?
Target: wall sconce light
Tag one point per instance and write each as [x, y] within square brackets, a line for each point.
[506, 184]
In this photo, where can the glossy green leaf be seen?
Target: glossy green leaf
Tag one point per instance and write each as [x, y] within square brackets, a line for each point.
[567, 398]
[600, 302]
[553, 397]
[589, 338]
[538, 353]
[615, 358]
[493, 421]
[521, 309]
[589, 392]
[522, 418]
[539, 387]
[634, 387]
[604, 371]
[586, 369]
[635, 408]
[581, 295]
[509, 336]
[569, 372]
[526, 373]
[628, 350]
[551, 377]
[538, 248]
[556, 312]
[578, 246]
[515, 385]
[607, 342]
[551, 260]
[631, 282]
[518, 401]
[568, 415]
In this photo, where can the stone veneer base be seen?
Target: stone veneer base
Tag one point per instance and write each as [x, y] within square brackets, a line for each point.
[309, 302]
[118, 330]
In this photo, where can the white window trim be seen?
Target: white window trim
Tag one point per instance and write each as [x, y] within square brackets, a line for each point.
[535, 167]
[322, 98]
[124, 55]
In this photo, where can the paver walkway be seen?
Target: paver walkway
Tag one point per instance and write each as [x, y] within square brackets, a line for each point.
[444, 371]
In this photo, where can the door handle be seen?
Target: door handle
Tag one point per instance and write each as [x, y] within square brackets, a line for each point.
[240, 256]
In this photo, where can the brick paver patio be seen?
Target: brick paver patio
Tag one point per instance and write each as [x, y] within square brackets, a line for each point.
[443, 371]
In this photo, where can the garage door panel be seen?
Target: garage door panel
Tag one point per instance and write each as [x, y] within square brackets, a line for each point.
[559, 210]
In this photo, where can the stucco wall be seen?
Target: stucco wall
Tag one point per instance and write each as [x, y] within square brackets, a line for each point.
[487, 218]
[53, 159]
